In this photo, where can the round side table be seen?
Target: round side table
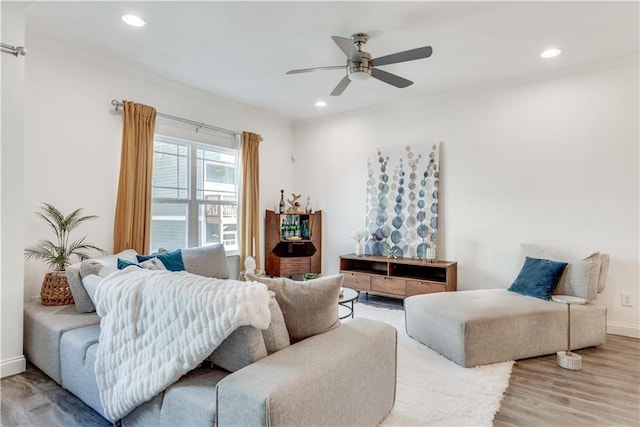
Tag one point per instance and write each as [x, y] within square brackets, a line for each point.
[567, 359]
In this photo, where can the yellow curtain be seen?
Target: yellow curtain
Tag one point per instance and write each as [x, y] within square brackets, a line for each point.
[132, 225]
[250, 197]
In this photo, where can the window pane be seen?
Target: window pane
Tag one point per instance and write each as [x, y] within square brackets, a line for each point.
[168, 225]
[170, 170]
[216, 174]
[218, 223]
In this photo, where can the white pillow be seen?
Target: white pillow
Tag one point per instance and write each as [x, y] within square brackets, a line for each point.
[90, 284]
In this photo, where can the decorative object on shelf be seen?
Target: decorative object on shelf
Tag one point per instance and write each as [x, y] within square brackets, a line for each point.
[249, 265]
[392, 254]
[281, 205]
[402, 195]
[57, 255]
[307, 208]
[428, 249]
[294, 204]
[358, 235]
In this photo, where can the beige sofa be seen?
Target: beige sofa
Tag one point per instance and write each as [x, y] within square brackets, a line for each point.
[319, 374]
[485, 326]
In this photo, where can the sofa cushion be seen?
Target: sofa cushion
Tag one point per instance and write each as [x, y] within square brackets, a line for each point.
[276, 336]
[310, 307]
[97, 267]
[538, 277]
[74, 277]
[171, 260]
[208, 261]
[90, 284]
[583, 276]
[244, 346]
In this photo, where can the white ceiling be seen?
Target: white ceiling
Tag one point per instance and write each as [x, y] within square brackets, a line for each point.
[241, 50]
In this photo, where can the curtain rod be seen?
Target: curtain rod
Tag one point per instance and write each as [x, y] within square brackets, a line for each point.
[198, 125]
[13, 50]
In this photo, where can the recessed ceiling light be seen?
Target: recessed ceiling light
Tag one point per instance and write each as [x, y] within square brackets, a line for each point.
[321, 104]
[550, 53]
[134, 20]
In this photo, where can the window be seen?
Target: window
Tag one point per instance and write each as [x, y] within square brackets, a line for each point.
[194, 194]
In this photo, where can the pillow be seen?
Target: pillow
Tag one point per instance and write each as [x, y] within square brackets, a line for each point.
[310, 307]
[123, 263]
[276, 336]
[244, 346]
[604, 272]
[208, 261]
[74, 277]
[90, 284]
[538, 277]
[581, 278]
[171, 260]
[150, 264]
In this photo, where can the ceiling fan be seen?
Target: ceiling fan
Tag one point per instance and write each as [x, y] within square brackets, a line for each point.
[360, 65]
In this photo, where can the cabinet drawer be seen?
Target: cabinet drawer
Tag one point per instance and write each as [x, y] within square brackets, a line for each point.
[388, 285]
[360, 282]
[294, 265]
[417, 287]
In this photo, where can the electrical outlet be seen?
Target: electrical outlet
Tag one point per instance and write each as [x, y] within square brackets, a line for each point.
[625, 299]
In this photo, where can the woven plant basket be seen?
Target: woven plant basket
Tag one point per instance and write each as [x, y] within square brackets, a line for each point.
[55, 289]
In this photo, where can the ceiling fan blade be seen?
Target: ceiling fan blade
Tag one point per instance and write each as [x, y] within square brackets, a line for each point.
[407, 55]
[392, 79]
[341, 86]
[308, 70]
[346, 45]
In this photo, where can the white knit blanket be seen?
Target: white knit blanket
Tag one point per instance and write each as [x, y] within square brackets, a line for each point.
[158, 325]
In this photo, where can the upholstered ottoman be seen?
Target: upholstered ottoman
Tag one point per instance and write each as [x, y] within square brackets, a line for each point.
[485, 326]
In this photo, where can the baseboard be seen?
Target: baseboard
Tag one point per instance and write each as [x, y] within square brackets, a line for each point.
[13, 366]
[623, 329]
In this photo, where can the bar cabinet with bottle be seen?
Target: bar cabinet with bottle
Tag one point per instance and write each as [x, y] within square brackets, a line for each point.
[292, 243]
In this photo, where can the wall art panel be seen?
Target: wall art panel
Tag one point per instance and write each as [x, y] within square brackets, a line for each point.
[402, 201]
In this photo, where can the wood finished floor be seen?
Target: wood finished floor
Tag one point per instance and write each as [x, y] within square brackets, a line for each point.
[606, 392]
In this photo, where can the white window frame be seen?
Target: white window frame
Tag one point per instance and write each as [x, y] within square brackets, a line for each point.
[194, 233]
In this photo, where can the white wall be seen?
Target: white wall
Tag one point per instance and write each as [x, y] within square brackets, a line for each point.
[72, 137]
[552, 162]
[12, 360]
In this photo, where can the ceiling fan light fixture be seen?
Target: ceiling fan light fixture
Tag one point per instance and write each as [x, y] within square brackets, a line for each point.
[134, 20]
[551, 53]
[358, 75]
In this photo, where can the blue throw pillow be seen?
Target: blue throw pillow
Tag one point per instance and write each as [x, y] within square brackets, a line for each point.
[171, 260]
[123, 263]
[538, 278]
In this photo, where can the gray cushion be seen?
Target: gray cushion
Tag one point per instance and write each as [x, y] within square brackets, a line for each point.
[74, 277]
[208, 261]
[310, 307]
[244, 346]
[581, 277]
[345, 377]
[276, 336]
[43, 329]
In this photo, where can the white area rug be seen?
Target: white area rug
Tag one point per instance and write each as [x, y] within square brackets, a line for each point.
[434, 391]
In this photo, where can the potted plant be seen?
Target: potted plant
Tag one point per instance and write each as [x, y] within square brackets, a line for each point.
[58, 254]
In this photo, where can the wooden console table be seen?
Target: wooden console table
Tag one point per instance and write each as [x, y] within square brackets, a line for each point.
[398, 278]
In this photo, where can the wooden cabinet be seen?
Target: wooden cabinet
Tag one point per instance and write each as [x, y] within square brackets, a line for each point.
[397, 278]
[297, 254]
